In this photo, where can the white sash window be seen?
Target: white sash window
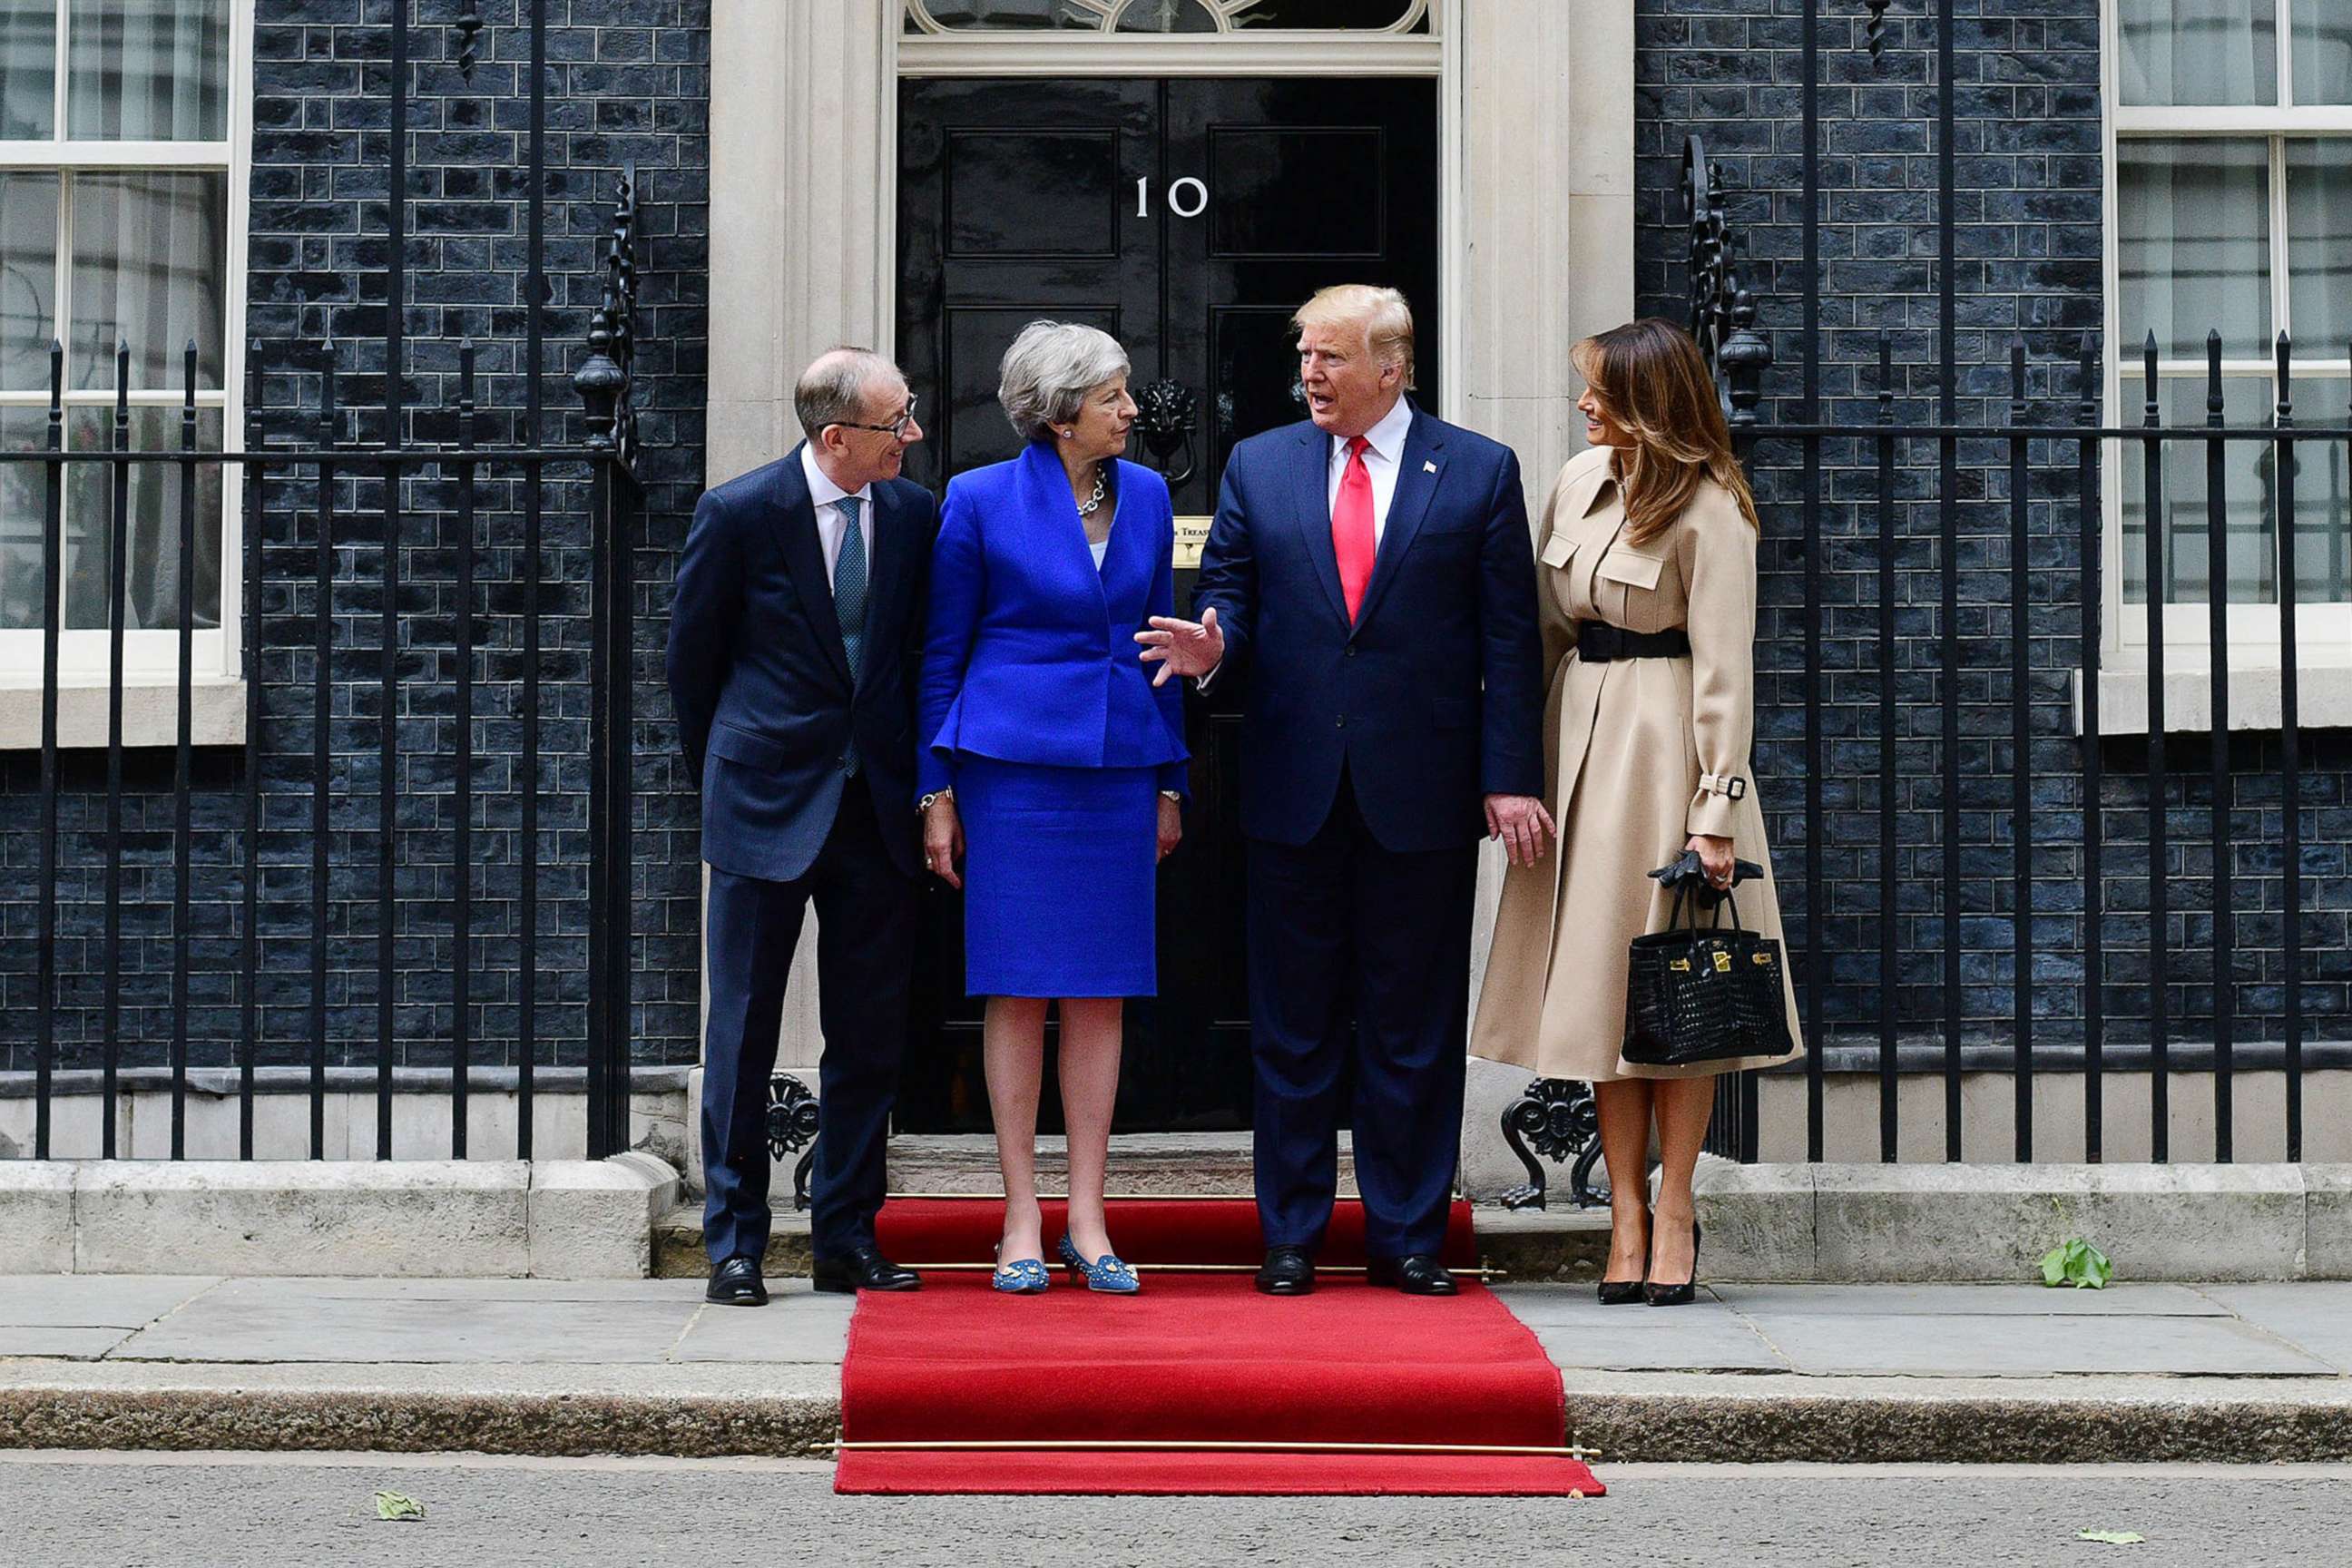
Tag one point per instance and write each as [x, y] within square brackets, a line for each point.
[2231, 181]
[122, 145]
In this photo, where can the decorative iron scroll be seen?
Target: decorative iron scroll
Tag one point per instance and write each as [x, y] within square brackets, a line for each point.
[1876, 28]
[469, 23]
[793, 1122]
[1722, 311]
[1148, 16]
[604, 382]
[1563, 1119]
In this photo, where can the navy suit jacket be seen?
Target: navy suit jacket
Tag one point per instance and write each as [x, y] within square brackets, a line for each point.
[1031, 653]
[760, 680]
[1433, 699]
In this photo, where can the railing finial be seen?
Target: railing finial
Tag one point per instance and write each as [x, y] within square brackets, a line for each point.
[469, 23]
[1722, 310]
[604, 380]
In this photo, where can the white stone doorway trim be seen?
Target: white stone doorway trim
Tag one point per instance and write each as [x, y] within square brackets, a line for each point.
[1536, 96]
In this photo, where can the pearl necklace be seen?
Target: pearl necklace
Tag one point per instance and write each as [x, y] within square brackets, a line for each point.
[1086, 507]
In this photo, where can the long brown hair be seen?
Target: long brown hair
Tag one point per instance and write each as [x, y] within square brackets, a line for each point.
[1650, 378]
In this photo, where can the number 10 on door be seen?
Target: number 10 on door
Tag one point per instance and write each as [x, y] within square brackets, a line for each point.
[1177, 197]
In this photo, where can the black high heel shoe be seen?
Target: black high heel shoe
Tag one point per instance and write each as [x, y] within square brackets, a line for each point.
[1625, 1292]
[1684, 1294]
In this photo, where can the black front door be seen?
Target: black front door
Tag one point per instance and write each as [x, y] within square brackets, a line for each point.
[1187, 218]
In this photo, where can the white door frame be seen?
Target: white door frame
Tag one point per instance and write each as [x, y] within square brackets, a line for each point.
[1255, 54]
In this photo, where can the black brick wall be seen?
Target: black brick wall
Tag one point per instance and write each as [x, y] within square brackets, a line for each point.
[627, 81]
[2028, 218]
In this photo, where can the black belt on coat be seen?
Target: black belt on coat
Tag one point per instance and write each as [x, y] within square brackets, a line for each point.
[1598, 642]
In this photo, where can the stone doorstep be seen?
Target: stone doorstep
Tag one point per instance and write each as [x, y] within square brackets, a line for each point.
[1971, 1223]
[1630, 1417]
[441, 1218]
[1191, 1164]
[1560, 1244]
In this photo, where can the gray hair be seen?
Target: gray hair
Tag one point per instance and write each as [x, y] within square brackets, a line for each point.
[833, 390]
[1049, 372]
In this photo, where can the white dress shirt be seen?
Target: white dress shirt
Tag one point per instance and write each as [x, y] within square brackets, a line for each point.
[1383, 459]
[828, 497]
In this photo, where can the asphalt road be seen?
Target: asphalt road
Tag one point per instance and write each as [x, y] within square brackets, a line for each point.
[155, 1510]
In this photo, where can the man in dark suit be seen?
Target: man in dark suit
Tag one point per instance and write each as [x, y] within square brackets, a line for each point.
[1370, 577]
[795, 638]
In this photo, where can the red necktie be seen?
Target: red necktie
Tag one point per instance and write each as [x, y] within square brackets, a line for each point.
[1351, 527]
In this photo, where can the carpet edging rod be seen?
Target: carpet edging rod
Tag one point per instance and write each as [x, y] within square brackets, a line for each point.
[1481, 1273]
[1159, 1445]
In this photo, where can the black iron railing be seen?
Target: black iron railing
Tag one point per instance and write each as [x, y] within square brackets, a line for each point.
[272, 525]
[308, 676]
[2043, 466]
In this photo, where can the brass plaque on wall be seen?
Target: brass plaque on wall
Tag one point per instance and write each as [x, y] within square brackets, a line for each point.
[1191, 534]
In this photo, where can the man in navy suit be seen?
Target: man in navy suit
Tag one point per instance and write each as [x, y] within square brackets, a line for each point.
[1371, 579]
[795, 640]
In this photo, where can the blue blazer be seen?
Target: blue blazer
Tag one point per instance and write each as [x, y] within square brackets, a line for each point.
[1433, 699]
[760, 680]
[1030, 655]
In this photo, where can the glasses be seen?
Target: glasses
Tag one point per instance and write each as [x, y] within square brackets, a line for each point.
[895, 429]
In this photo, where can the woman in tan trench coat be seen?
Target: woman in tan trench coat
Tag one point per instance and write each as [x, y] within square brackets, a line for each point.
[1650, 532]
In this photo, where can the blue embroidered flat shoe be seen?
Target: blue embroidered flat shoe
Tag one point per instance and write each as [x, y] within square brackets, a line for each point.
[1022, 1276]
[1108, 1273]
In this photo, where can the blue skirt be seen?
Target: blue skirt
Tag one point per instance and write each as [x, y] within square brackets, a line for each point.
[1059, 875]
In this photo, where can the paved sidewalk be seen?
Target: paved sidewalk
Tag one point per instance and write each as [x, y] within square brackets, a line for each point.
[1764, 1371]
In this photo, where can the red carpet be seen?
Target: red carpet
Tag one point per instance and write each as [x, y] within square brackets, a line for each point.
[1195, 1358]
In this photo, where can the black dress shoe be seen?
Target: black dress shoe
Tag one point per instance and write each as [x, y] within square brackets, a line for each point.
[1286, 1272]
[862, 1269]
[1684, 1294]
[1415, 1274]
[737, 1283]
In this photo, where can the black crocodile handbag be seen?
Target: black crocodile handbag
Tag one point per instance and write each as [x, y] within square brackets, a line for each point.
[1703, 994]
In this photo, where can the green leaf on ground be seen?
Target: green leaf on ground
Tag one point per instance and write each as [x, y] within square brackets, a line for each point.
[2078, 1264]
[2112, 1537]
[395, 1505]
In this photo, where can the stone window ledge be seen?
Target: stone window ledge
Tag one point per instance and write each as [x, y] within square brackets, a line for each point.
[150, 715]
[2323, 694]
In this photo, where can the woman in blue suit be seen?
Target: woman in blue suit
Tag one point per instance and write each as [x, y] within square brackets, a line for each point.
[1052, 769]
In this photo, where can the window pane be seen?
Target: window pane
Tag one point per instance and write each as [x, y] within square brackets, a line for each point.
[1167, 17]
[23, 506]
[2323, 497]
[1158, 15]
[2193, 221]
[148, 266]
[148, 70]
[2323, 51]
[2251, 543]
[152, 576]
[29, 70]
[2199, 51]
[2319, 246]
[28, 278]
[968, 15]
[1304, 13]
